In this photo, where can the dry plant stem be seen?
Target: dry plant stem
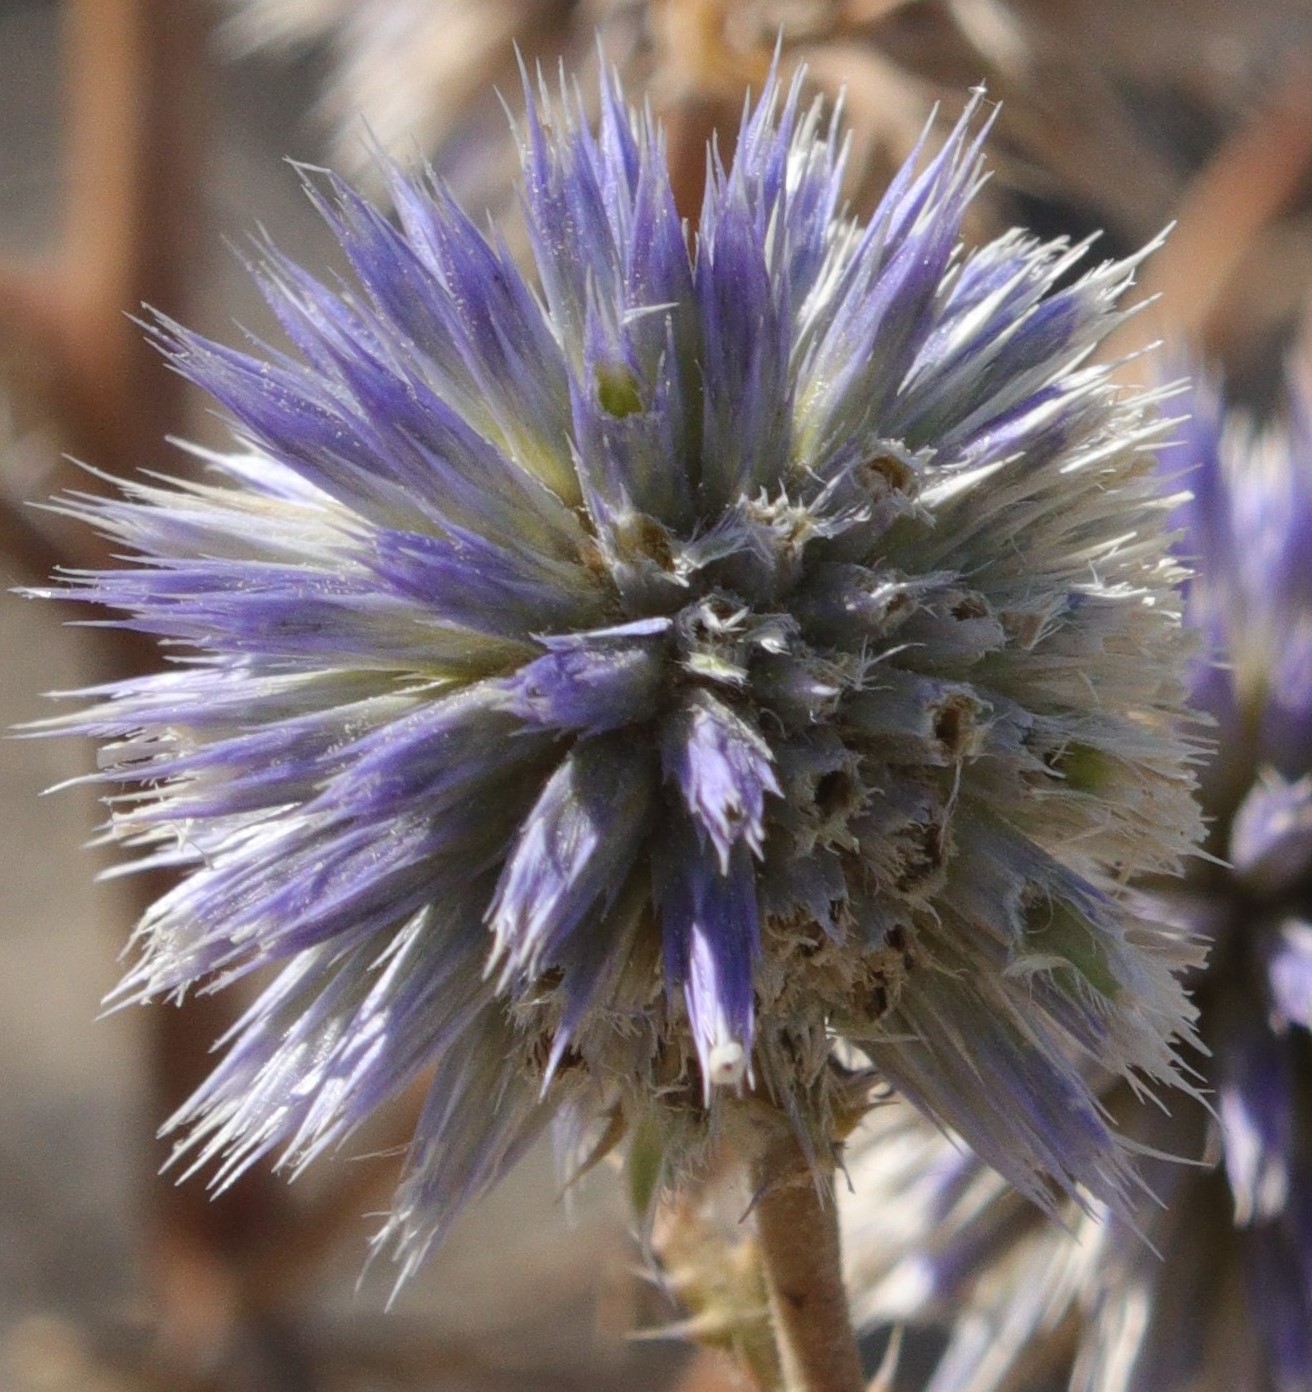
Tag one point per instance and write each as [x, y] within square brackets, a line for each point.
[27, 554]
[136, 87]
[306, 1238]
[136, 91]
[31, 335]
[1249, 182]
[28, 332]
[797, 1225]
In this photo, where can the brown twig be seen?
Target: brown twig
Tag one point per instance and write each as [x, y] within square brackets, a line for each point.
[32, 330]
[136, 87]
[308, 1236]
[27, 554]
[136, 84]
[1248, 183]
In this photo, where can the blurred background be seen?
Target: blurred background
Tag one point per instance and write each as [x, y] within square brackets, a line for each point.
[140, 142]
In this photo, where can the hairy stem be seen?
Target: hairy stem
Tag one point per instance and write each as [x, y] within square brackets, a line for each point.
[797, 1223]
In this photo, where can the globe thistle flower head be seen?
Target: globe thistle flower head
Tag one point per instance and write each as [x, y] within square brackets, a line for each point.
[1247, 534]
[618, 693]
[1220, 1294]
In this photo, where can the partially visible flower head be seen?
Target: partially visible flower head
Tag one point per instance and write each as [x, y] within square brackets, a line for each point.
[1220, 1296]
[615, 697]
[1249, 521]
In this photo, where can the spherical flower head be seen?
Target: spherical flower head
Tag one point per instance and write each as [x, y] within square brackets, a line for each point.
[1247, 531]
[1212, 1289]
[619, 695]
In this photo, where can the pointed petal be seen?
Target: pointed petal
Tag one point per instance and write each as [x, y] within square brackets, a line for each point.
[593, 682]
[572, 855]
[722, 767]
[710, 925]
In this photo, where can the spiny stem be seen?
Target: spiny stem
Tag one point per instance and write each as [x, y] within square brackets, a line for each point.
[797, 1223]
